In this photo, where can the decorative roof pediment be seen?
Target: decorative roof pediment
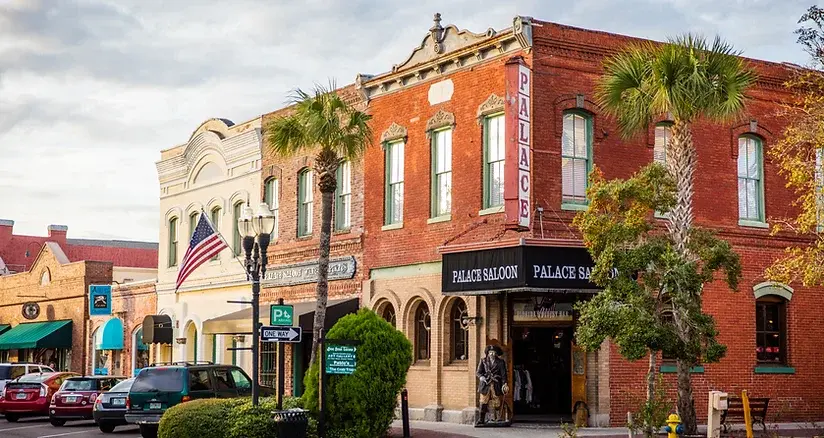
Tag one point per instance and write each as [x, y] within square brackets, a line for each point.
[493, 104]
[440, 41]
[219, 126]
[393, 132]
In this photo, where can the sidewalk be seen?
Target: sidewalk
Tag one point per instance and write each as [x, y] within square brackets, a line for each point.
[423, 429]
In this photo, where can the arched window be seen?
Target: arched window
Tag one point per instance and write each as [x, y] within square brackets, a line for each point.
[271, 195]
[771, 302]
[173, 242]
[459, 331]
[45, 278]
[140, 352]
[305, 199]
[191, 342]
[387, 312]
[210, 172]
[215, 218]
[423, 327]
[193, 218]
[576, 157]
[750, 179]
[237, 243]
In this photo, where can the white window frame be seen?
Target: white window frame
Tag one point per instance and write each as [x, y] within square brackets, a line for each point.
[494, 161]
[306, 197]
[569, 199]
[441, 173]
[343, 197]
[746, 217]
[394, 171]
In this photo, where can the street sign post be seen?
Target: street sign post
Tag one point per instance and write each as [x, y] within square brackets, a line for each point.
[274, 333]
[340, 359]
[281, 315]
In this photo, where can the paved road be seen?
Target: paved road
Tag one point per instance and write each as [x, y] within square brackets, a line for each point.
[40, 428]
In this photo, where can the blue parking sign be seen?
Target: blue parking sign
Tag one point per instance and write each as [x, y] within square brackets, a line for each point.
[100, 299]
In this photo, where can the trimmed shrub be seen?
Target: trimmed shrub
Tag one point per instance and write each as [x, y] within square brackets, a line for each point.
[206, 418]
[247, 421]
[363, 404]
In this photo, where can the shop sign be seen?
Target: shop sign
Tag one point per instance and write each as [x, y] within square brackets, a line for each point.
[307, 272]
[340, 359]
[31, 310]
[518, 171]
[100, 299]
[518, 267]
[530, 311]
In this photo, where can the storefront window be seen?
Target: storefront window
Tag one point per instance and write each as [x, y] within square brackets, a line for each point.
[771, 330]
[100, 358]
[423, 325]
[460, 332]
[140, 352]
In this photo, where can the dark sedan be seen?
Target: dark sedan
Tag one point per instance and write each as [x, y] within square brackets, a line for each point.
[110, 407]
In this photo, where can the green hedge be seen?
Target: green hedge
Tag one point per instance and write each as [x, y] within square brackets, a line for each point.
[226, 418]
[363, 404]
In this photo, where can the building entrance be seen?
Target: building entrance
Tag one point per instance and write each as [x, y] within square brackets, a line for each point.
[542, 375]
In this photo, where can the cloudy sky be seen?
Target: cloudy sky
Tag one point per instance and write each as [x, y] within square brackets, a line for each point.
[92, 90]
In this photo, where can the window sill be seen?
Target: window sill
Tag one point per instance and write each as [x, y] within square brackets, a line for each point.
[667, 368]
[774, 369]
[396, 226]
[574, 207]
[456, 365]
[662, 215]
[306, 237]
[421, 365]
[435, 220]
[752, 224]
[343, 231]
[491, 210]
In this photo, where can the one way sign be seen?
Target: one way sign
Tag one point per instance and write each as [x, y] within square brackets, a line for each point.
[275, 333]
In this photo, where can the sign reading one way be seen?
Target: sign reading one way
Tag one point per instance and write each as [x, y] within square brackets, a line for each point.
[340, 359]
[281, 315]
[270, 333]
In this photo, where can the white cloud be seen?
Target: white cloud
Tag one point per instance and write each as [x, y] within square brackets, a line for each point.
[92, 90]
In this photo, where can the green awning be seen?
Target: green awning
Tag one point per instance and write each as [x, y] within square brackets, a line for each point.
[4, 327]
[47, 334]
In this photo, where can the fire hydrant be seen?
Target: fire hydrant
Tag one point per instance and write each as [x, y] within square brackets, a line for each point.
[674, 427]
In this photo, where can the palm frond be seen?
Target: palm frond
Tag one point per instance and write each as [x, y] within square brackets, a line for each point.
[624, 90]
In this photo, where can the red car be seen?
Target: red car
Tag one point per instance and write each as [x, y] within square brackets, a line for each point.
[76, 397]
[29, 395]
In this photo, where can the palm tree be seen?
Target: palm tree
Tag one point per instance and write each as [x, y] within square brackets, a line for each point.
[324, 123]
[687, 79]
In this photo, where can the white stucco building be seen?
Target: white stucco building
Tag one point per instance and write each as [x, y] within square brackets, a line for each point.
[216, 171]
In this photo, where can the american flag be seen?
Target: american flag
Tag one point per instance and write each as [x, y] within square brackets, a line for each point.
[205, 244]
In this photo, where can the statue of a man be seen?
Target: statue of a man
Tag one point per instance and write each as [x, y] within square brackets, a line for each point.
[492, 374]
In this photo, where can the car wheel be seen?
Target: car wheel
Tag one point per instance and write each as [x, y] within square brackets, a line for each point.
[106, 427]
[12, 418]
[57, 423]
[148, 431]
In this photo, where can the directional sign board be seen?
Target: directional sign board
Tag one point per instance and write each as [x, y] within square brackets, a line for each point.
[340, 359]
[273, 333]
[281, 315]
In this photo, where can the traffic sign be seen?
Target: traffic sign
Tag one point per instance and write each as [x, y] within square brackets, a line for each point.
[273, 333]
[281, 315]
[340, 359]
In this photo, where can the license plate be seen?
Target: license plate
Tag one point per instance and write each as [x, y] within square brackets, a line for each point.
[21, 396]
[71, 399]
[118, 402]
[154, 406]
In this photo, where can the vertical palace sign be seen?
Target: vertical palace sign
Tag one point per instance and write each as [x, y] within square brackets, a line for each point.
[518, 170]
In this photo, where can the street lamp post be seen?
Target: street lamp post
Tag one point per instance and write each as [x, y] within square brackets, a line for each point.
[255, 230]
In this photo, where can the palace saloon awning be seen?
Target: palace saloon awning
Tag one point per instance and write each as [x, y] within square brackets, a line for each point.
[46, 334]
[520, 268]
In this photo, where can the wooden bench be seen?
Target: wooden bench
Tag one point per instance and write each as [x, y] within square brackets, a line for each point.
[735, 412]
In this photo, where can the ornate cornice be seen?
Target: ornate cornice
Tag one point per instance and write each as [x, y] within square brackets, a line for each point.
[493, 104]
[393, 132]
[441, 119]
[445, 50]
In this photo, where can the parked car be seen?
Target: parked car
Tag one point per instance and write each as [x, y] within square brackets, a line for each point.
[13, 370]
[76, 397]
[158, 388]
[29, 395]
[110, 407]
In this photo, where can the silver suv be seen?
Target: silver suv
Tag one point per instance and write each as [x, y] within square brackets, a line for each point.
[13, 370]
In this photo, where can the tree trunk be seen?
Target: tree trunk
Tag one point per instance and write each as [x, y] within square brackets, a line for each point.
[651, 374]
[681, 164]
[326, 165]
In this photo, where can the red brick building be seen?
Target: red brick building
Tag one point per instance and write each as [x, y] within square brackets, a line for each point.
[44, 289]
[482, 147]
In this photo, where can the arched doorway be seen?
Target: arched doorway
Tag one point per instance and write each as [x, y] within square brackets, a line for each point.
[140, 352]
[191, 342]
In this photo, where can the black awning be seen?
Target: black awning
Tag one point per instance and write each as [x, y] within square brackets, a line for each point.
[334, 312]
[157, 329]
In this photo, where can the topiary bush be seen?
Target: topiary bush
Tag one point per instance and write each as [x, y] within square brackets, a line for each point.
[206, 418]
[363, 404]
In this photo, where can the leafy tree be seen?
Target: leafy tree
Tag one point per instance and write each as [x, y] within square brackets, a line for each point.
[687, 79]
[799, 154]
[321, 122]
[645, 278]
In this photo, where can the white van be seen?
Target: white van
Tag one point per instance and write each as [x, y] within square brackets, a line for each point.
[11, 371]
